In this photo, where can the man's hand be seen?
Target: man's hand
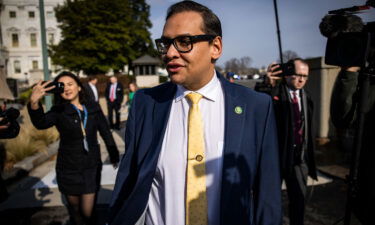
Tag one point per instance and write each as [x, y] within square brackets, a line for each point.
[4, 126]
[273, 74]
[352, 69]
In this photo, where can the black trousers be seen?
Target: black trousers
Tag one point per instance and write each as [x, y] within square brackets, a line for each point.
[296, 185]
[114, 106]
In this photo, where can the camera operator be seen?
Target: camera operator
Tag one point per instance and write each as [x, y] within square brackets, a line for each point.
[293, 110]
[344, 107]
[9, 128]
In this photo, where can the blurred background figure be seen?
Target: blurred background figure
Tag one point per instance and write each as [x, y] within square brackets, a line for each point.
[9, 128]
[78, 166]
[132, 89]
[91, 90]
[294, 113]
[344, 114]
[114, 94]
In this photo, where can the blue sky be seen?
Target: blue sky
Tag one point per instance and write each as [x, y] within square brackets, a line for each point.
[249, 27]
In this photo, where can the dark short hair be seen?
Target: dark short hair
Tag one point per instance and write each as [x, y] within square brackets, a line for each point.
[82, 94]
[211, 23]
[93, 77]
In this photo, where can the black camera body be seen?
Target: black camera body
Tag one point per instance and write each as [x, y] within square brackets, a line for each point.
[350, 41]
[58, 89]
[351, 49]
[9, 115]
[287, 69]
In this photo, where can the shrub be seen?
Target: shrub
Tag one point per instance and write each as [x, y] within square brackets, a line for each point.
[163, 79]
[25, 96]
[22, 146]
[47, 136]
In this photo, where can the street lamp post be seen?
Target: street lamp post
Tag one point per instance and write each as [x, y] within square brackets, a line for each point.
[278, 30]
[47, 98]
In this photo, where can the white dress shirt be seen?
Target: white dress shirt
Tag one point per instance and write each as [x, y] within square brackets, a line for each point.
[113, 88]
[166, 204]
[298, 97]
[95, 91]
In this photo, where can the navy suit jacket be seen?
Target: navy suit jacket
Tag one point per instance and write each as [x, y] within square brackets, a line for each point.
[250, 188]
[119, 93]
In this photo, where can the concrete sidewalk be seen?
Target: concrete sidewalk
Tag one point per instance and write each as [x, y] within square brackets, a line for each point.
[39, 188]
[30, 191]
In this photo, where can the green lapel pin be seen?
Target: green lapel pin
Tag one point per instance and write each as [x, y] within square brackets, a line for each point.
[238, 110]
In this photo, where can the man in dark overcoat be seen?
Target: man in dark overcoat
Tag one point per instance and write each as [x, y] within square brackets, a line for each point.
[294, 113]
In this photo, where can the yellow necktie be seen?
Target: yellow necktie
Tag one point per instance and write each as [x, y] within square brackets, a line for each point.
[196, 199]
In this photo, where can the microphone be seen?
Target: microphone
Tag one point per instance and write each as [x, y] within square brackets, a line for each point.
[332, 25]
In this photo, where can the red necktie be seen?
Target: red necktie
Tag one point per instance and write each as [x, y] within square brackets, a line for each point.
[112, 94]
[297, 120]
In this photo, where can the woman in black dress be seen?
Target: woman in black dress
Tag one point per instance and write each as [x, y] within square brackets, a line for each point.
[78, 166]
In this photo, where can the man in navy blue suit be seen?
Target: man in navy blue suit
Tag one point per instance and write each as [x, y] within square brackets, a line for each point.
[238, 157]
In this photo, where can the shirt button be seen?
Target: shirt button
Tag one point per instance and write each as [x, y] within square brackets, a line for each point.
[199, 158]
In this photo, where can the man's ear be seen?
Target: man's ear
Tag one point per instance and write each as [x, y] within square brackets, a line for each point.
[216, 48]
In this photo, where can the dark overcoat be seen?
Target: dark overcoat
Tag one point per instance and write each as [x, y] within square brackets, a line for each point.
[284, 120]
[89, 92]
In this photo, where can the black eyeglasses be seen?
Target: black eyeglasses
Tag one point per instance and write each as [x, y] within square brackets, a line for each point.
[183, 44]
[301, 76]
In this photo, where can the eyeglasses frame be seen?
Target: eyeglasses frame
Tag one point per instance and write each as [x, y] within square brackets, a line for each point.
[193, 39]
[299, 76]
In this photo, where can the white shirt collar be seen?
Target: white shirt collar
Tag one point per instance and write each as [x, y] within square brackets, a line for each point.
[209, 91]
[292, 91]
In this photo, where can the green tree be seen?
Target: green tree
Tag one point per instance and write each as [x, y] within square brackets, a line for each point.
[99, 35]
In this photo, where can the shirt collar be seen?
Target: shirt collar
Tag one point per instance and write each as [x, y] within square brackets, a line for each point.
[291, 92]
[209, 91]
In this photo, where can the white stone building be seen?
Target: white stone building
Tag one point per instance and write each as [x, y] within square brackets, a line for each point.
[20, 30]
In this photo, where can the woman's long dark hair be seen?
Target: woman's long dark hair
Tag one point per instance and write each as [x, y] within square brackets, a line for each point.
[81, 94]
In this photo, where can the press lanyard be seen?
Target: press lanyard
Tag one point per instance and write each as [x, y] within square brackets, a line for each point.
[83, 124]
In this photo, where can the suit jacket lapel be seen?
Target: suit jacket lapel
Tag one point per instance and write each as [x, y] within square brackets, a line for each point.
[235, 113]
[160, 114]
[305, 120]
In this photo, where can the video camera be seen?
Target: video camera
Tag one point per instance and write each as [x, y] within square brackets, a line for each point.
[350, 41]
[287, 69]
[9, 115]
